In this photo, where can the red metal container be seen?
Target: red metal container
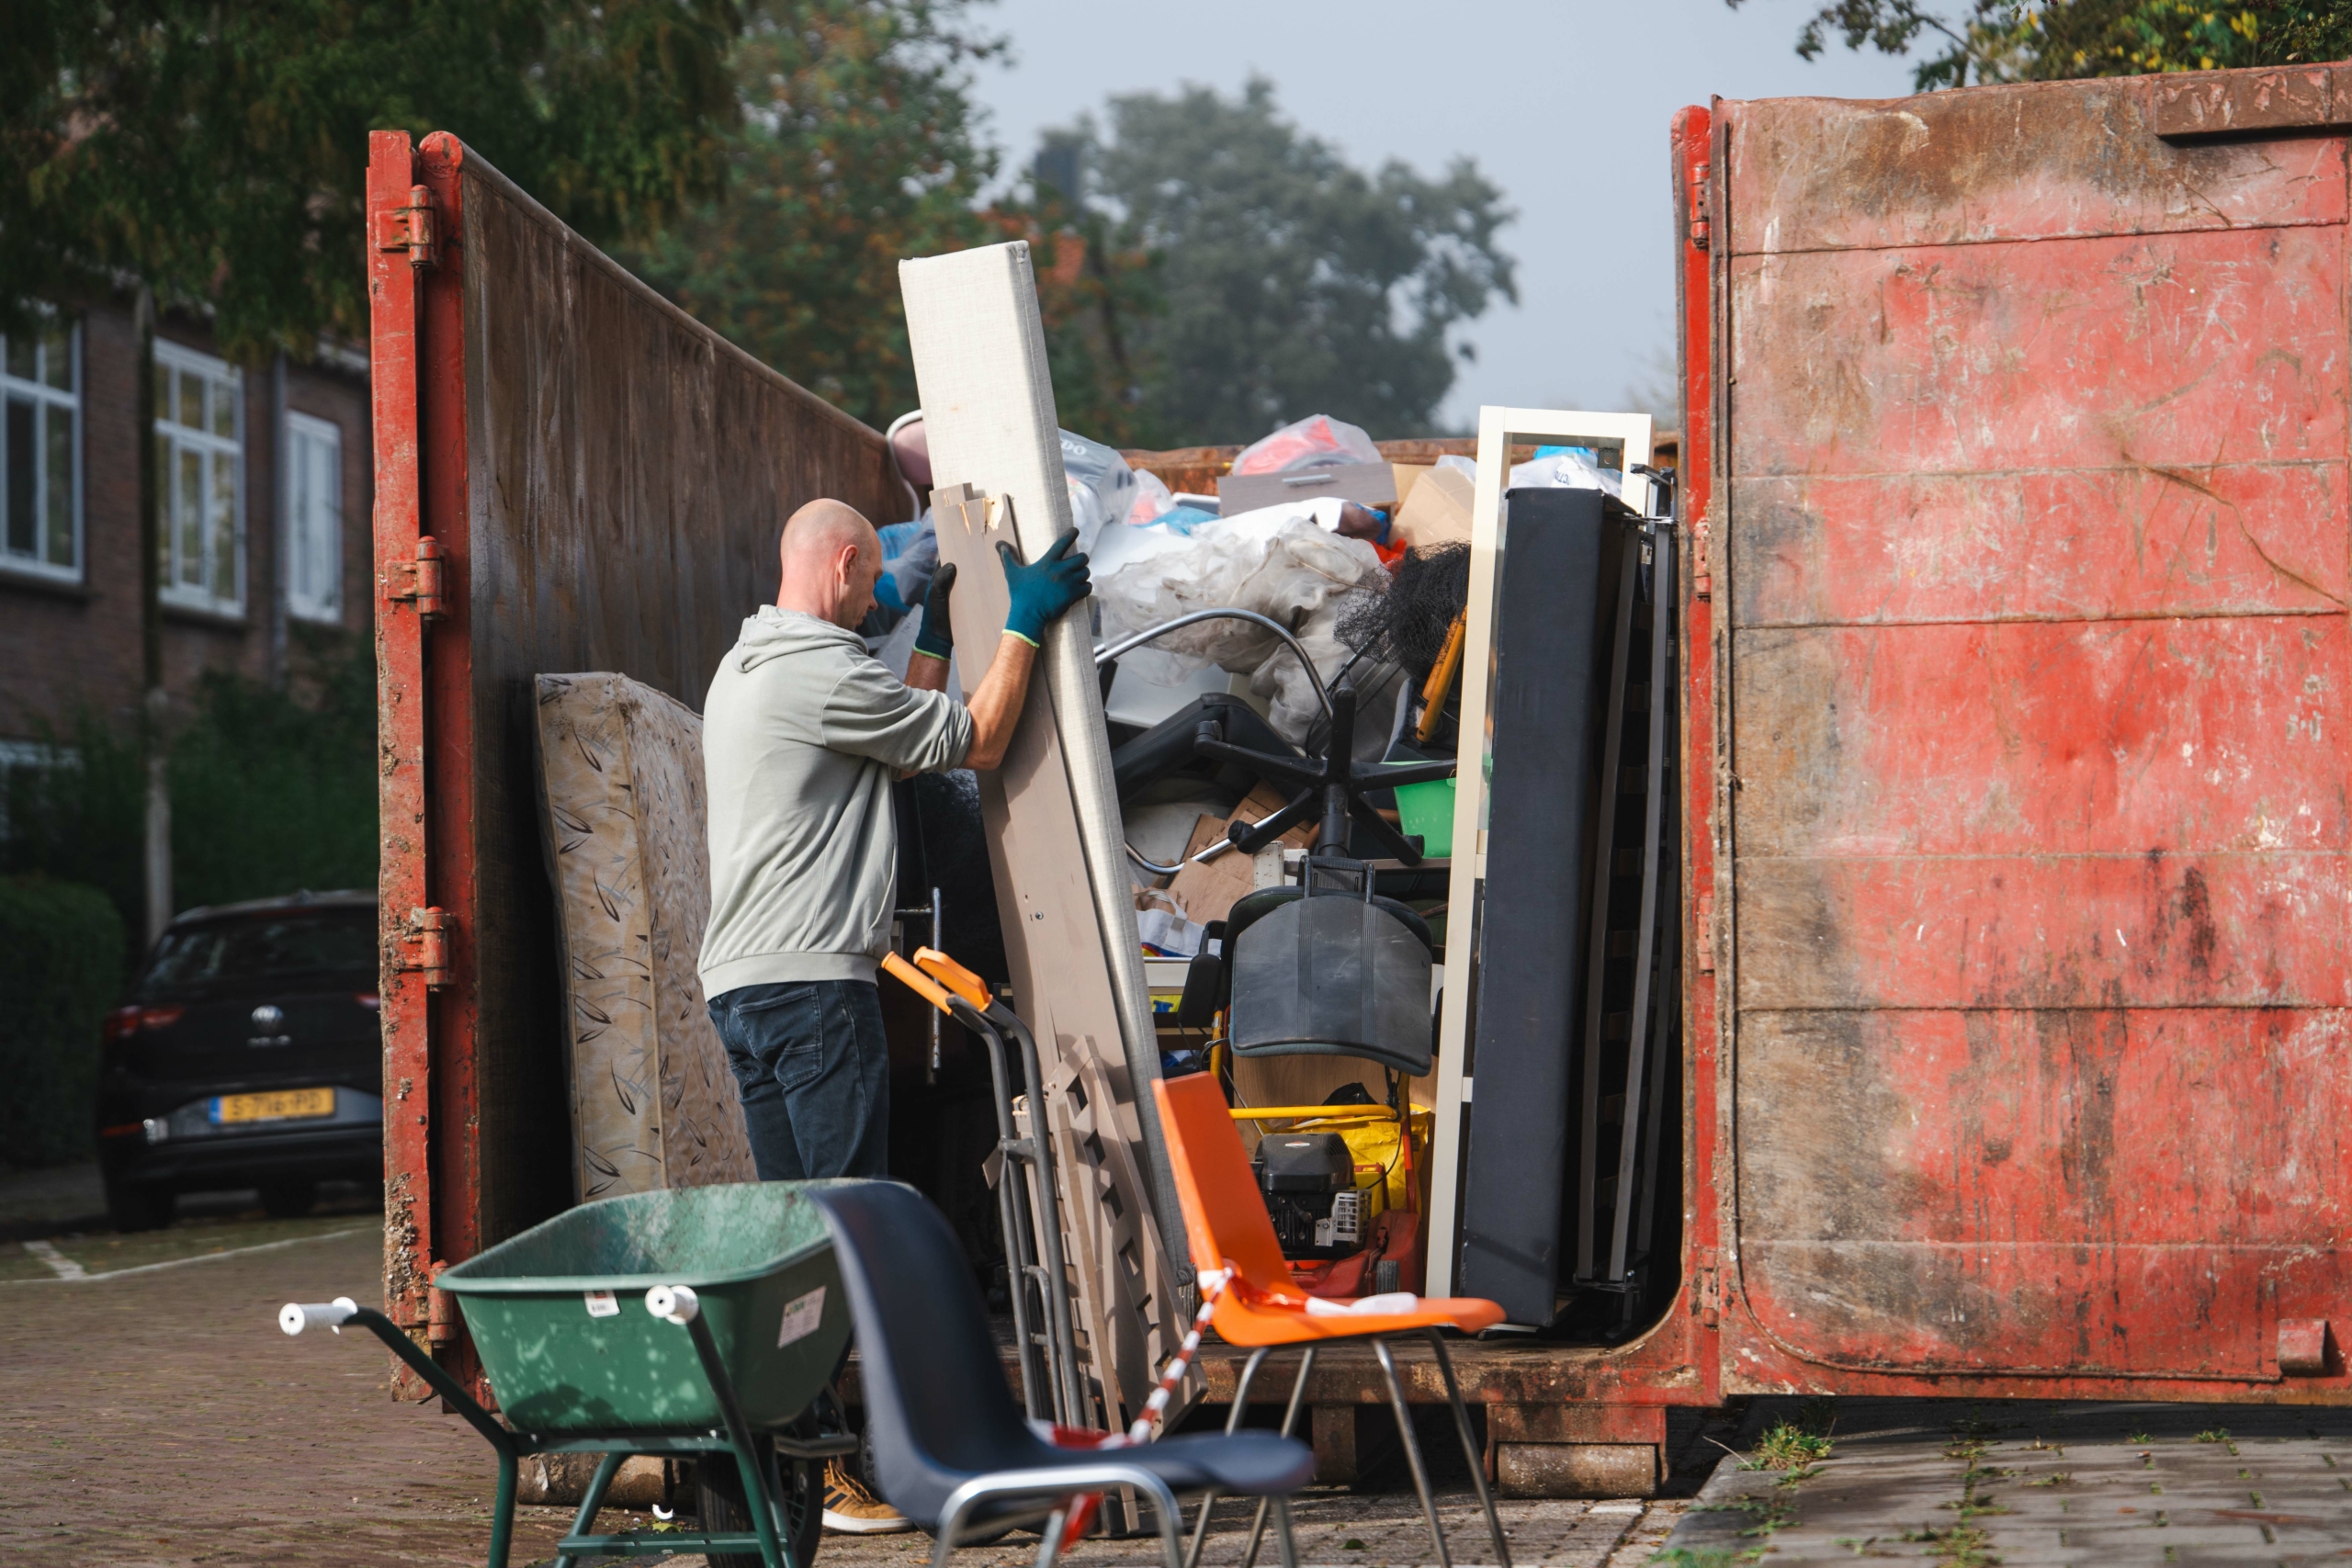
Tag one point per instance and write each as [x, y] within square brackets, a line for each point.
[571, 474]
[2019, 807]
[2015, 459]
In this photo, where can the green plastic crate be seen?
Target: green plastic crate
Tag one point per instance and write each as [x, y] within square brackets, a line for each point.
[1427, 809]
[558, 1317]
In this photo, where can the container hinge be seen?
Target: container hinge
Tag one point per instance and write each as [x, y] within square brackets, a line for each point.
[418, 581]
[1699, 186]
[1707, 1289]
[425, 940]
[1702, 931]
[410, 228]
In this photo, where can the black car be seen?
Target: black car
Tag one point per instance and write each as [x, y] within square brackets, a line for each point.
[247, 1055]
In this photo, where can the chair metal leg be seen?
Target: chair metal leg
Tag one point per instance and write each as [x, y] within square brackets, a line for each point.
[1470, 1449]
[1412, 1450]
[1281, 1524]
[1232, 1425]
[593, 1502]
[1050, 1548]
[1290, 1425]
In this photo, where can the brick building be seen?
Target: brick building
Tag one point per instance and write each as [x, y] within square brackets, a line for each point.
[266, 487]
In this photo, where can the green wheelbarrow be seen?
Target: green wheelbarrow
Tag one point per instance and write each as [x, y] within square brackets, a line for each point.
[702, 1321]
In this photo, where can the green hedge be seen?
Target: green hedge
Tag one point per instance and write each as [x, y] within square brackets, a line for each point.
[61, 969]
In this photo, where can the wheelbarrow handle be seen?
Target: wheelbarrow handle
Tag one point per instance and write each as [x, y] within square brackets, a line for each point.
[295, 1316]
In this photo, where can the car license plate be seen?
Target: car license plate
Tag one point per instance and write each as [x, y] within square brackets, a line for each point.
[281, 1105]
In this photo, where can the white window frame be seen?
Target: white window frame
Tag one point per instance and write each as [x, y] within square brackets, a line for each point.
[313, 521]
[173, 441]
[1466, 887]
[43, 398]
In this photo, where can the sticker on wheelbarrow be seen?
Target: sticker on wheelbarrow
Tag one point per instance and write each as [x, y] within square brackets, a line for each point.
[601, 1303]
[801, 1316]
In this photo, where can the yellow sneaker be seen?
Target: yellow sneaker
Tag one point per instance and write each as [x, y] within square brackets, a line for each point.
[850, 1510]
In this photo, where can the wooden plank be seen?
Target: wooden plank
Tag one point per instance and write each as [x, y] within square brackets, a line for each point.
[1051, 808]
[2039, 162]
[2073, 544]
[2168, 351]
[2045, 738]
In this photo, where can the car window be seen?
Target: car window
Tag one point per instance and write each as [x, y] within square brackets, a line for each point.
[341, 945]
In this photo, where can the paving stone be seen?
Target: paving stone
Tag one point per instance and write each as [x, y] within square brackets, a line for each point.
[2117, 1485]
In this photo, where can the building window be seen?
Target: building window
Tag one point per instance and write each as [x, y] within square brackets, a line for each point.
[313, 519]
[199, 479]
[40, 469]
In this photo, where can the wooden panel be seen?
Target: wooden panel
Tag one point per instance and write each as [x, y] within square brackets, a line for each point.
[2087, 543]
[2044, 738]
[613, 481]
[2170, 351]
[1066, 902]
[1913, 1242]
[2004, 164]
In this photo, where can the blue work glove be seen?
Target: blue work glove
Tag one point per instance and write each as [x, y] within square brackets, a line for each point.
[937, 637]
[1044, 589]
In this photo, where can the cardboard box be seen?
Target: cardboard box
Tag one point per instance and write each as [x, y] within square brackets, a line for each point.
[1207, 890]
[1372, 484]
[1438, 510]
[1408, 475]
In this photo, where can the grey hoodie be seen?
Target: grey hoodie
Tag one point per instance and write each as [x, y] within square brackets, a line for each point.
[803, 732]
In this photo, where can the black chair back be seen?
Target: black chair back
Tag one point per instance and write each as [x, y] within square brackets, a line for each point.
[937, 1406]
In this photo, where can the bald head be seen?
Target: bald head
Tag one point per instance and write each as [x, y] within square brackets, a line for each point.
[830, 558]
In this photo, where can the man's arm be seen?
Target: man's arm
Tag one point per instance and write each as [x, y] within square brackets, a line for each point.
[1040, 592]
[996, 705]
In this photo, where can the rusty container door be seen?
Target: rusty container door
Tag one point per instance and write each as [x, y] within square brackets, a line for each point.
[2030, 833]
[571, 475]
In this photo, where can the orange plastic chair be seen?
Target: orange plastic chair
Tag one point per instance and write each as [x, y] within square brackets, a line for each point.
[1226, 1220]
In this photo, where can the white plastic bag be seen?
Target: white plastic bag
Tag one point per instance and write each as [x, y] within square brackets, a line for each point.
[1281, 683]
[1317, 438]
[1102, 486]
[1566, 469]
[1277, 561]
[1153, 497]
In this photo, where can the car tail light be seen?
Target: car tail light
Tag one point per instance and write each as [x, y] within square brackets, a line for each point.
[124, 1023]
[369, 1000]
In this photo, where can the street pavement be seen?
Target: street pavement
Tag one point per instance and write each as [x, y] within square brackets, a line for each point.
[2026, 1484]
[151, 1414]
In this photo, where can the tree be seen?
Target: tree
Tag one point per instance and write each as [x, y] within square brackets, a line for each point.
[214, 157]
[857, 147]
[2013, 40]
[1291, 283]
[217, 153]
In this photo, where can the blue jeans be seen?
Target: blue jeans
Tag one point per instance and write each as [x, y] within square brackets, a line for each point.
[815, 1074]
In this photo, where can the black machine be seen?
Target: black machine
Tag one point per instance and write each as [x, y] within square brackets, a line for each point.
[1308, 1180]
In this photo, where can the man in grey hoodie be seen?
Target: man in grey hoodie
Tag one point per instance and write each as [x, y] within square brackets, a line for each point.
[803, 733]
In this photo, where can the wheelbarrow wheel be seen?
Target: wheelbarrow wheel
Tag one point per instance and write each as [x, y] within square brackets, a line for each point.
[718, 1503]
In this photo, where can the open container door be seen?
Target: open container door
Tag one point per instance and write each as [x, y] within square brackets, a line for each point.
[2030, 834]
[571, 474]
